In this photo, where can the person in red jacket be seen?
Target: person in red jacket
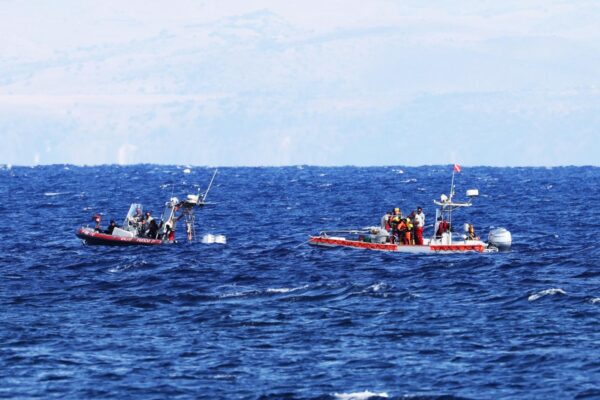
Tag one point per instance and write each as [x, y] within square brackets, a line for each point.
[419, 222]
[443, 226]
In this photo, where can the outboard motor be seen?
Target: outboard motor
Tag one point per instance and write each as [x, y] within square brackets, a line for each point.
[378, 235]
[500, 238]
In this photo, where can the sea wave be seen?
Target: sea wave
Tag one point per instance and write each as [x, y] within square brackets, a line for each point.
[268, 316]
[546, 292]
[360, 395]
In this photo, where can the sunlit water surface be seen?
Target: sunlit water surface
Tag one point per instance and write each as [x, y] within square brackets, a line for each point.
[268, 316]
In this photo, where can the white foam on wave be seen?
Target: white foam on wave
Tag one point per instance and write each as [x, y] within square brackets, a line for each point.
[239, 293]
[125, 267]
[376, 287]
[547, 292]
[52, 193]
[359, 395]
[285, 290]
[411, 180]
[187, 171]
[595, 300]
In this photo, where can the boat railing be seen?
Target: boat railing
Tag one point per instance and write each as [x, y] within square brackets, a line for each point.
[341, 231]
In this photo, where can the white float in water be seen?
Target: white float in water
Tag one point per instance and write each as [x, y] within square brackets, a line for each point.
[220, 239]
[209, 238]
[472, 193]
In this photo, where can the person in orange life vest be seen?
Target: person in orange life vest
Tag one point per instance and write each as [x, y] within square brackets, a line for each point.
[408, 233]
[419, 226]
[401, 228]
[410, 222]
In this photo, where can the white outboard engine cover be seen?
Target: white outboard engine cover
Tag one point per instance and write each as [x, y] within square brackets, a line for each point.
[378, 235]
[500, 237]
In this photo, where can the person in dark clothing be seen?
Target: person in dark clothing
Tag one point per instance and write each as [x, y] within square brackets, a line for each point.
[152, 229]
[111, 227]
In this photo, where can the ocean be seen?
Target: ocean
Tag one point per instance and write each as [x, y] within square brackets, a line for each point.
[266, 316]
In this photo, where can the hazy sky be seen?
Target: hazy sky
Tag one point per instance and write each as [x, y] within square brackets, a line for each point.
[300, 82]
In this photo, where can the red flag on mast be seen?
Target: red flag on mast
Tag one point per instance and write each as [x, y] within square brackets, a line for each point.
[456, 168]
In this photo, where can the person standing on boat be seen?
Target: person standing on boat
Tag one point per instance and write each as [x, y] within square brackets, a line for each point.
[419, 226]
[385, 221]
[395, 218]
[148, 217]
[136, 220]
[170, 232]
[97, 218]
[471, 233]
[394, 222]
[408, 238]
[152, 229]
[402, 230]
[442, 227]
[146, 222]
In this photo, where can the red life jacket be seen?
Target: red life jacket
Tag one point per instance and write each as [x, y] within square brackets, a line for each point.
[443, 227]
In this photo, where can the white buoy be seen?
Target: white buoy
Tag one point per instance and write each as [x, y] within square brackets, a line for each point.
[209, 238]
[220, 239]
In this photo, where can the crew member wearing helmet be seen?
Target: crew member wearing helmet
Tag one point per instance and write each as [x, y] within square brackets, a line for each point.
[395, 218]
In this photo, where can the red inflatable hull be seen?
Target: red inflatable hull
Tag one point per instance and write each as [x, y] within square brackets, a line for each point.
[94, 238]
[433, 248]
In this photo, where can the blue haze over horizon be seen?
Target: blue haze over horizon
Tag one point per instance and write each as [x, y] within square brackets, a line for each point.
[271, 83]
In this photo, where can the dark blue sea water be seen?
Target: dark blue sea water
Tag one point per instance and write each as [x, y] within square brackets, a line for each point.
[267, 316]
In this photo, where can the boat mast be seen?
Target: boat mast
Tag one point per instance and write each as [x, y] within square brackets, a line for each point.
[450, 199]
[209, 185]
